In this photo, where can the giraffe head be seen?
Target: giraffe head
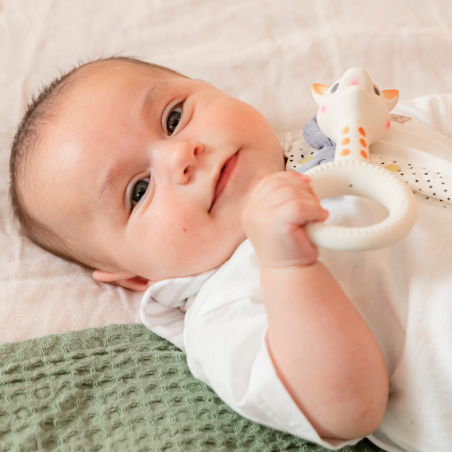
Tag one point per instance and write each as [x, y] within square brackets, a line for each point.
[354, 101]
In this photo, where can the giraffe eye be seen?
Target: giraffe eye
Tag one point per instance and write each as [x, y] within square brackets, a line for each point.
[376, 90]
[334, 87]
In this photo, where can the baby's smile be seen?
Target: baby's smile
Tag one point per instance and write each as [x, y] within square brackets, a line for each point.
[226, 174]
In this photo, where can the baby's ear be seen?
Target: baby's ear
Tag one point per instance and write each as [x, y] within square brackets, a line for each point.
[123, 279]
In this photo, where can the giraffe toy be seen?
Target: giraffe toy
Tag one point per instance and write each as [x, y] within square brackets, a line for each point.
[354, 113]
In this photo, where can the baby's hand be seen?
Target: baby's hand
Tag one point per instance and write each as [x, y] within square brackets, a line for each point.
[274, 219]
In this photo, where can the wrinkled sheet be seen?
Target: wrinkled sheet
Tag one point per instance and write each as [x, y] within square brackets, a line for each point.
[266, 53]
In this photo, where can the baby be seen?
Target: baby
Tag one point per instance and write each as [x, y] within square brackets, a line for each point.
[141, 174]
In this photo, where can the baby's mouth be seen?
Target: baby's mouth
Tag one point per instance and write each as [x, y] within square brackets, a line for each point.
[224, 177]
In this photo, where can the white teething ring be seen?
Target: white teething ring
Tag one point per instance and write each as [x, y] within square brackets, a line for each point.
[370, 181]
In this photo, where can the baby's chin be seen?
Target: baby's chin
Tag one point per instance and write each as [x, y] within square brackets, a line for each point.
[211, 258]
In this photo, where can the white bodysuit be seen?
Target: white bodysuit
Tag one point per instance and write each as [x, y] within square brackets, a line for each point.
[403, 292]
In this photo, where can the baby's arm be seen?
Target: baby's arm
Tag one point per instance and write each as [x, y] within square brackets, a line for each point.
[323, 351]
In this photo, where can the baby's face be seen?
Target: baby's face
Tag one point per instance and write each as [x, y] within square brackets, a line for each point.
[154, 170]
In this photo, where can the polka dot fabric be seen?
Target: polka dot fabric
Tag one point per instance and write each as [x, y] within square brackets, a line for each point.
[297, 151]
[429, 185]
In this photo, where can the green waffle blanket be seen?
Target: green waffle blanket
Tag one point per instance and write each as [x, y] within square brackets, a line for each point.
[120, 388]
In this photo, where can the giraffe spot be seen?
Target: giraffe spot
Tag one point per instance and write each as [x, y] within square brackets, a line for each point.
[345, 141]
[393, 168]
[345, 130]
[363, 143]
[345, 152]
[364, 154]
[305, 160]
[361, 131]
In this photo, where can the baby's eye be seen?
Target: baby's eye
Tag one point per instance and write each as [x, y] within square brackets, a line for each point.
[139, 190]
[173, 118]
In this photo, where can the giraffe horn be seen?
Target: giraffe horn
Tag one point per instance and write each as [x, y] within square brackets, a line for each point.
[317, 91]
[391, 97]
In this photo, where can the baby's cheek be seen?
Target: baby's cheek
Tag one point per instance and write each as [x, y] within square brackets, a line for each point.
[180, 234]
[181, 223]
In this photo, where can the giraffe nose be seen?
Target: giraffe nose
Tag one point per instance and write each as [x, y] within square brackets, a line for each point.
[358, 76]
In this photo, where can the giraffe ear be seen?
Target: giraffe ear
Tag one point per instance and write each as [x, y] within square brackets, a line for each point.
[391, 98]
[317, 91]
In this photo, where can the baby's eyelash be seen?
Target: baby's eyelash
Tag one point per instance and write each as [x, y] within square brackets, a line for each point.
[174, 117]
[136, 195]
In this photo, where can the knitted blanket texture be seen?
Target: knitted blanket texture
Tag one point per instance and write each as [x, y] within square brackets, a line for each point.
[120, 388]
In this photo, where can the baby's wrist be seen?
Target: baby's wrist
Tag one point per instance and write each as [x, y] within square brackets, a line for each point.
[284, 283]
[286, 266]
[283, 259]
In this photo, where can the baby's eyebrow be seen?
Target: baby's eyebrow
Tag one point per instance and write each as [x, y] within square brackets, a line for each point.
[107, 185]
[153, 94]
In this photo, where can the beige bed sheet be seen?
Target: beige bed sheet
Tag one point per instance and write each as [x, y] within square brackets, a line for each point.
[265, 52]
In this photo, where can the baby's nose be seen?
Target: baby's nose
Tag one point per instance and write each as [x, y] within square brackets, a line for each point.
[184, 158]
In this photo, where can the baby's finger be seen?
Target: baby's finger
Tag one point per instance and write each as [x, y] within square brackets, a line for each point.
[290, 189]
[305, 178]
[271, 183]
[301, 211]
[287, 193]
[292, 175]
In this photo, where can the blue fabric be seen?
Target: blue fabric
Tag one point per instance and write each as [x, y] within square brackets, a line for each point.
[317, 140]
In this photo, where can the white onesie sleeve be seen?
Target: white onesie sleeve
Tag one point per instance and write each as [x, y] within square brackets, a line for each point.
[225, 342]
